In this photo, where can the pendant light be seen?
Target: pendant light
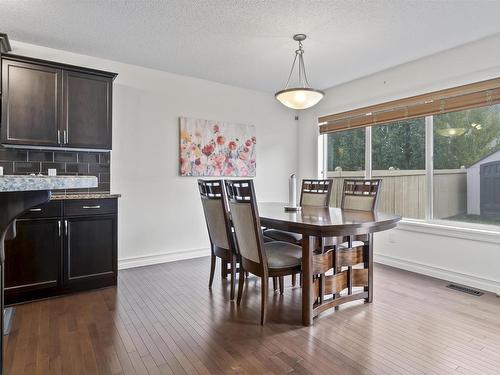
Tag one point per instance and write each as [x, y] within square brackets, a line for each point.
[302, 96]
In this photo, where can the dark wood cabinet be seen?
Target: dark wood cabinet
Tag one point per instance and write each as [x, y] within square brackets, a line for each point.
[33, 266]
[89, 255]
[87, 110]
[55, 105]
[62, 247]
[32, 104]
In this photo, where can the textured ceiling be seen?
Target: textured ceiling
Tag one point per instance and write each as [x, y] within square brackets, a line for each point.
[248, 43]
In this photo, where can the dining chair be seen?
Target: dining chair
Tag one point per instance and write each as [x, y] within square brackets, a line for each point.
[263, 259]
[215, 208]
[314, 193]
[360, 195]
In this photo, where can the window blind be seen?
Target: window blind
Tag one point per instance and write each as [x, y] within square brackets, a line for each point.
[473, 95]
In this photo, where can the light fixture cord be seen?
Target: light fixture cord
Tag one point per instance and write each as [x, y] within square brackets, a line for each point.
[301, 69]
[305, 82]
[291, 72]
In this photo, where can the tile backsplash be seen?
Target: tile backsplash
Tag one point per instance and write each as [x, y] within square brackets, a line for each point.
[26, 161]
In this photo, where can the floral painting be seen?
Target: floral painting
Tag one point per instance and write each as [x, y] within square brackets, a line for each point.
[215, 148]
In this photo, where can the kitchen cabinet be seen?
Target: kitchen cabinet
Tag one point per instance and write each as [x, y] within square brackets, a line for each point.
[62, 247]
[87, 110]
[31, 104]
[55, 105]
[33, 266]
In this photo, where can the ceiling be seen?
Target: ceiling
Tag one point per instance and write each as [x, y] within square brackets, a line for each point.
[248, 43]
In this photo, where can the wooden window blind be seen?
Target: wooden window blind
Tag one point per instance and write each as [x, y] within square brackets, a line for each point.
[449, 100]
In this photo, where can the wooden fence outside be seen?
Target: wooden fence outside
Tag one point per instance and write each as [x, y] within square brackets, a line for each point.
[404, 192]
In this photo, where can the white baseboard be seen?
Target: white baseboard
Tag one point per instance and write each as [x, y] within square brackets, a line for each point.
[440, 273]
[147, 260]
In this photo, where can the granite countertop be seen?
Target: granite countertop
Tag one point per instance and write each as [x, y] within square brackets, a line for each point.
[61, 196]
[11, 183]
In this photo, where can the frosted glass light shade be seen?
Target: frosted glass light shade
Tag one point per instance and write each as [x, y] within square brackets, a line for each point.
[299, 98]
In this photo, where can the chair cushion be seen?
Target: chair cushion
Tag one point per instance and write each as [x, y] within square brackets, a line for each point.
[280, 235]
[345, 245]
[283, 254]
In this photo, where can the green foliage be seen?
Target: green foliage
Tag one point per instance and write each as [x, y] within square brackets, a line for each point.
[401, 145]
[474, 144]
[346, 150]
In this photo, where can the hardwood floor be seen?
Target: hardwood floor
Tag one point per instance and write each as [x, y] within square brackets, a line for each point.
[161, 321]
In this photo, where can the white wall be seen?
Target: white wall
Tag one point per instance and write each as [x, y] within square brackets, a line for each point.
[426, 253]
[160, 214]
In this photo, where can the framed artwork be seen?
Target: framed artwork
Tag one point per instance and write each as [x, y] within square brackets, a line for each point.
[211, 148]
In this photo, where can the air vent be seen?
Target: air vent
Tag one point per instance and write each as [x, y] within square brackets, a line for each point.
[464, 289]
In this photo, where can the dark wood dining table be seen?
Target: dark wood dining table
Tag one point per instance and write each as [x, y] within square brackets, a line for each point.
[313, 222]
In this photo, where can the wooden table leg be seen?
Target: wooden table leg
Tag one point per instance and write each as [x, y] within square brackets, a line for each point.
[308, 243]
[369, 264]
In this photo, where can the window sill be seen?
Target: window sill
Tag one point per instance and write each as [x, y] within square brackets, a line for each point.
[467, 231]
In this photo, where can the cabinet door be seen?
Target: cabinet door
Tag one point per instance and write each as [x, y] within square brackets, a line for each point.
[87, 110]
[90, 252]
[31, 104]
[33, 260]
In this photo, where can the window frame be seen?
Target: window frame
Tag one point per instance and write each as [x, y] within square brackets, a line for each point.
[429, 225]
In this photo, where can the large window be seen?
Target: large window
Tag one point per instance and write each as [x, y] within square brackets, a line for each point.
[466, 179]
[441, 167]
[398, 158]
[340, 150]
[345, 159]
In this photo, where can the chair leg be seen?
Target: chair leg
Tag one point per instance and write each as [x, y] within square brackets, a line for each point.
[275, 284]
[294, 279]
[233, 276]
[241, 284]
[282, 281]
[223, 268]
[213, 259]
[300, 279]
[263, 304]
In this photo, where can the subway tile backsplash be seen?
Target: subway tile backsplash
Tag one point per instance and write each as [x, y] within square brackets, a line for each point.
[20, 161]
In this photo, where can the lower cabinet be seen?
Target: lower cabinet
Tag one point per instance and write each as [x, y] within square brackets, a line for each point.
[62, 247]
[33, 260]
[89, 261]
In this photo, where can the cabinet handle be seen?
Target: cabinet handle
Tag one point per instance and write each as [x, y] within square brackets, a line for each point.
[35, 209]
[59, 137]
[59, 227]
[66, 227]
[91, 207]
[65, 136]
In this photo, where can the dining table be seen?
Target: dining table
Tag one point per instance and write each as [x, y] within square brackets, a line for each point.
[314, 223]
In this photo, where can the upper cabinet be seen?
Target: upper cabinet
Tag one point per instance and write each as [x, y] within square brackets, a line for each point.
[55, 105]
[87, 110]
[31, 104]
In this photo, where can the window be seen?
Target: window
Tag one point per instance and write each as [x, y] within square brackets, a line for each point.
[340, 146]
[465, 183]
[342, 162]
[398, 158]
[437, 153]
[466, 179]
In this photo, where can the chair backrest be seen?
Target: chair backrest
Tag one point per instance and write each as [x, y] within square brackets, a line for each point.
[246, 223]
[361, 195]
[213, 199]
[316, 193]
